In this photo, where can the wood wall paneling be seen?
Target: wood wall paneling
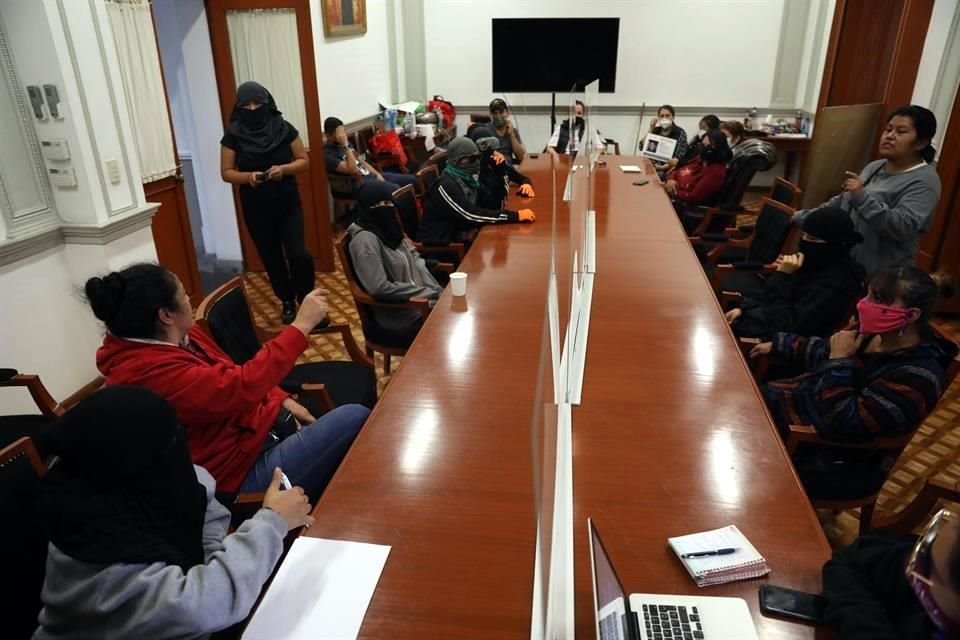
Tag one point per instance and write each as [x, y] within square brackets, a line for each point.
[172, 235]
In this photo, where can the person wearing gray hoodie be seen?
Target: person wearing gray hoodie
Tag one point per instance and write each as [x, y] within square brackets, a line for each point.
[138, 544]
[894, 199]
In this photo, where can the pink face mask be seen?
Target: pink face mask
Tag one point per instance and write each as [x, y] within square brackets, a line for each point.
[880, 318]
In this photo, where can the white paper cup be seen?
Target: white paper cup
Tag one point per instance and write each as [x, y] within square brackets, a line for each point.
[458, 282]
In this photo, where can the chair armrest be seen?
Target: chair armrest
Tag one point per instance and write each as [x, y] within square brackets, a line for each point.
[353, 349]
[746, 346]
[801, 433]
[83, 392]
[320, 395]
[730, 299]
[712, 254]
[443, 267]
[41, 397]
[934, 491]
[456, 248]
[709, 213]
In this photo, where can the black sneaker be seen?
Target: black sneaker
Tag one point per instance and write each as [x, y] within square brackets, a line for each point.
[289, 312]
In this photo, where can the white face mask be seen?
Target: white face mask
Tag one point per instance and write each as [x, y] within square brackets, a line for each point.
[729, 141]
[665, 122]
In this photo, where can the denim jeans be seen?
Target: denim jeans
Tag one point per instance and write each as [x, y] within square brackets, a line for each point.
[396, 179]
[311, 456]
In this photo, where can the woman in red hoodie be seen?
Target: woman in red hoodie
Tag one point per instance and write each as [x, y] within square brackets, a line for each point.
[699, 181]
[232, 413]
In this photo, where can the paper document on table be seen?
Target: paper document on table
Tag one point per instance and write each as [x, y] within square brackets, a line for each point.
[322, 590]
[630, 168]
[745, 563]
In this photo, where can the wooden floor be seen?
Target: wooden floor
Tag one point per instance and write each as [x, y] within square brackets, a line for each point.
[935, 450]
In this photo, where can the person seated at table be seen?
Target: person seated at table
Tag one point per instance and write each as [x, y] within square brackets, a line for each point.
[707, 122]
[893, 200]
[342, 160]
[567, 141]
[138, 545]
[508, 135]
[496, 173]
[885, 587]
[811, 291]
[663, 125]
[234, 414]
[882, 379]
[451, 210]
[386, 263]
[699, 181]
[735, 133]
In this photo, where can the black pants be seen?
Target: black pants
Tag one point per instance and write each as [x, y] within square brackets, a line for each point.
[277, 231]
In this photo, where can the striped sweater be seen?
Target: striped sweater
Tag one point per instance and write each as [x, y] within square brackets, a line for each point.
[858, 399]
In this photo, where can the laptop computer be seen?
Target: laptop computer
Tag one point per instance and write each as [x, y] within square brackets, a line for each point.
[658, 148]
[647, 616]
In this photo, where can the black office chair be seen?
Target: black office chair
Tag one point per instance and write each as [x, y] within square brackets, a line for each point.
[225, 316]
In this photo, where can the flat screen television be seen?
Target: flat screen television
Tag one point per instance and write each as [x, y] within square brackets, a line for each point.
[547, 55]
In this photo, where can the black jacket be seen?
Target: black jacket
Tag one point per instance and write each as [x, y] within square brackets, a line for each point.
[868, 596]
[495, 182]
[451, 207]
[807, 303]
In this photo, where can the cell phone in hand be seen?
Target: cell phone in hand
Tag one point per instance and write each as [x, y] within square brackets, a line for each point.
[788, 603]
[261, 177]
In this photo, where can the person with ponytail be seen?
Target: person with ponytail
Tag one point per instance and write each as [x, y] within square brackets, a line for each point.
[262, 153]
[881, 378]
[240, 423]
[893, 200]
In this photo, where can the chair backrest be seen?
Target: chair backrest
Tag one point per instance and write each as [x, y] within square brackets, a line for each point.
[360, 296]
[773, 232]
[427, 176]
[480, 118]
[785, 192]
[342, 187]
[407, 210]
[363, 139]
[225, 316]
[439, 159]
[23, 542]
[739, 174]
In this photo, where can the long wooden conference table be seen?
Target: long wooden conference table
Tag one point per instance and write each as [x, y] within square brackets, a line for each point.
[672, 436]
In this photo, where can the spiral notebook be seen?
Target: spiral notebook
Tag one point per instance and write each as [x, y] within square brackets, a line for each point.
[743, 564]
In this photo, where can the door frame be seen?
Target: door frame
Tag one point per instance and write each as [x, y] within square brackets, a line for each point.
[227, 90]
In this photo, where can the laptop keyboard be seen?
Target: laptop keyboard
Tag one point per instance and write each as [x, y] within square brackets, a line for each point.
[671, 622]
[610, 628]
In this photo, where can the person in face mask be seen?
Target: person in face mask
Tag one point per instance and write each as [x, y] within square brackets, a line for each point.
[262, 152]
[452, 211]
[664, 125]
[884, 586]
[386, 264]
[881, 378]
[511, 146]
[566, 140]
[707, 123]
[496, 173]
[699, 181]
[811, 291]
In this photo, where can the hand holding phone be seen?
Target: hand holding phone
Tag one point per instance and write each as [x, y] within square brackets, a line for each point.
[261, 176]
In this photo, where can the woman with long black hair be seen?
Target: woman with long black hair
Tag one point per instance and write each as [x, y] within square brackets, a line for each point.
[261, 152]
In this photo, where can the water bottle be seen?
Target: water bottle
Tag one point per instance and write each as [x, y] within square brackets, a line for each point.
[440, 123]
[409, 125]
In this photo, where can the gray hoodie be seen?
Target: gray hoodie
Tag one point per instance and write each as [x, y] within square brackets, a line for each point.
[892, 212]
[159, 601]
[391, 275]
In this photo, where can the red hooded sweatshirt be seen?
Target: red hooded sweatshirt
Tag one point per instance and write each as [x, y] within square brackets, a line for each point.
[227, 409]
[698, 181]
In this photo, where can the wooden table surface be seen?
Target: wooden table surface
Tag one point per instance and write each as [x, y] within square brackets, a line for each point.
[672, 436]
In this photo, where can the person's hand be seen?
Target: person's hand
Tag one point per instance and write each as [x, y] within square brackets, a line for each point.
[300, 412]
[508, 128]
[853, 184]
[553, 152]
[498, 158]
[275, 172]
[341, 136]
[671, 163]
[790, 264]
[733, 314]
[762, 349]
[526, 190]
[653, 123]
[313, 309]
[380, 177]
[671, 187]
[291, 504]
[527, 215]
[844, 344]
[252, 180]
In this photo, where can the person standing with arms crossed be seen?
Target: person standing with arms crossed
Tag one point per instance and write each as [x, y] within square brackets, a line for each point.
[261, 152]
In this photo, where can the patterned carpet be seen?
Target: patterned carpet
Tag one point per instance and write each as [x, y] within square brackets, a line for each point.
[933, 451]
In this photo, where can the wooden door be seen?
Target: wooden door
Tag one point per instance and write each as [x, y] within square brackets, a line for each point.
[312, 183]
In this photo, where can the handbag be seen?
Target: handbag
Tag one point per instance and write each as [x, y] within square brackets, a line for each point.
[284, 426]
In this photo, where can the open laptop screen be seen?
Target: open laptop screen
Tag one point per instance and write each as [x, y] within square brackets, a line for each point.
[611, 600]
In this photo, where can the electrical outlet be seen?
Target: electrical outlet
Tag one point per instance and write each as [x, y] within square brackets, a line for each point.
[113, 171]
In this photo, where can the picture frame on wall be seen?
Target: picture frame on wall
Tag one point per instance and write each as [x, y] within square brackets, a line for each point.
[344, 17]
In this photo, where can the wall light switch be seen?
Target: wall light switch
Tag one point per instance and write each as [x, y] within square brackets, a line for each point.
[113, 171]
[36, 101]
[63, 178]
[55, 149]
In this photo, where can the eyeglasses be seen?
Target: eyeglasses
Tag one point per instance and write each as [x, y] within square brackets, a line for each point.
[919, 566]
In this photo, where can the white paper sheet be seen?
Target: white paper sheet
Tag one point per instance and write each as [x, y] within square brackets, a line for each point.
[321, 592]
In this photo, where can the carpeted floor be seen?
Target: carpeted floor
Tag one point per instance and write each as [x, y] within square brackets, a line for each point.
[933, 451]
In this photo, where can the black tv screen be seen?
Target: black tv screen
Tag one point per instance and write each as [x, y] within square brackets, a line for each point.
[546, 55]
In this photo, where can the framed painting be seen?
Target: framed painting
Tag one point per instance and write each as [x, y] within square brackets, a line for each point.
[344, 17]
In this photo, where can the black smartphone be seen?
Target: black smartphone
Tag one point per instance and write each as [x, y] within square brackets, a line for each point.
[640, 182]
[261, 177]
[534, 155]
[788, 603]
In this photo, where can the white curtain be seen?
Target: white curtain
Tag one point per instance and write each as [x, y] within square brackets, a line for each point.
[265, 48]
[136, 44]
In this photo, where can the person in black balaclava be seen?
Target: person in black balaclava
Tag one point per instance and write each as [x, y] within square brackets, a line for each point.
[138, 544]
[812, 291]
[496, 173]
[262, 152]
